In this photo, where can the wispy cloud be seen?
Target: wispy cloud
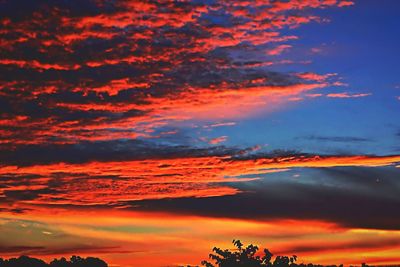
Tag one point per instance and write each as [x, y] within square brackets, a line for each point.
[347, 95]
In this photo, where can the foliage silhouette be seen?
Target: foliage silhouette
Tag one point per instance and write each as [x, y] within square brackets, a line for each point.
[240, 257]
[246, 257]
[75, 261]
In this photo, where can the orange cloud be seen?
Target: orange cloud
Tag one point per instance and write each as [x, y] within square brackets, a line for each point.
[217, 140]
[315, 77]
[278, 50]
[113, 182]
[36, 64]
[345, 3]
[212, 103]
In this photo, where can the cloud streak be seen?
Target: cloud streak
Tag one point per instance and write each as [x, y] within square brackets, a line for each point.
[113, 182]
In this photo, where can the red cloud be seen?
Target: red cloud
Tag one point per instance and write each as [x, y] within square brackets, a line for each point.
[118, 181]
[217, 140]
[345, 3]
[278, 50]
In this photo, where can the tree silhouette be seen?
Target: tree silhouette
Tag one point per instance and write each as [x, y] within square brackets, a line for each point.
[75, 261]
[60, 262]
[23, 261]
[246, 257]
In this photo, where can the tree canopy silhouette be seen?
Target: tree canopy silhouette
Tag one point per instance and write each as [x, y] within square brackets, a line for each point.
[75, 261]
[247, 257]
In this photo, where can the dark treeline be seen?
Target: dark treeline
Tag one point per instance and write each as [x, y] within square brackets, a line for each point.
[241, 256]
[75, 261]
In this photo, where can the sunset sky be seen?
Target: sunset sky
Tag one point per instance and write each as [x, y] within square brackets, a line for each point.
[147, 132]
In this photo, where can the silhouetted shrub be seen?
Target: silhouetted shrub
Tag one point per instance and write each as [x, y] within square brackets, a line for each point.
[24, 261]
[75, 261]
[246, 257]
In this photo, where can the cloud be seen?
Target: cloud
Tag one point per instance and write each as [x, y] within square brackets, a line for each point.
[345, 3]
[19, 249]
[102, 151]
[344, 139]
[278, 50]
[193, 173]
[217, 140]
[220, 124]
[316, 77]
[362, 203]
[347, 95]
[357, 245]
[38, 250]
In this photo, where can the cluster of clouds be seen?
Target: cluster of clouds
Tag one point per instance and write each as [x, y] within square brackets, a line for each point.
[83, 84]
[100, 70]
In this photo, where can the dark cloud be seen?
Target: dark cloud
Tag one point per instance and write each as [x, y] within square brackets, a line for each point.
[116, 150]
[366, 244]
[19, 249]
[358, 201]
[13, 210]
[13, 10]
[40, 250]
[23, 195]
[344, 139]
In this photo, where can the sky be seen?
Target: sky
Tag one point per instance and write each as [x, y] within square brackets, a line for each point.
[147, 132]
